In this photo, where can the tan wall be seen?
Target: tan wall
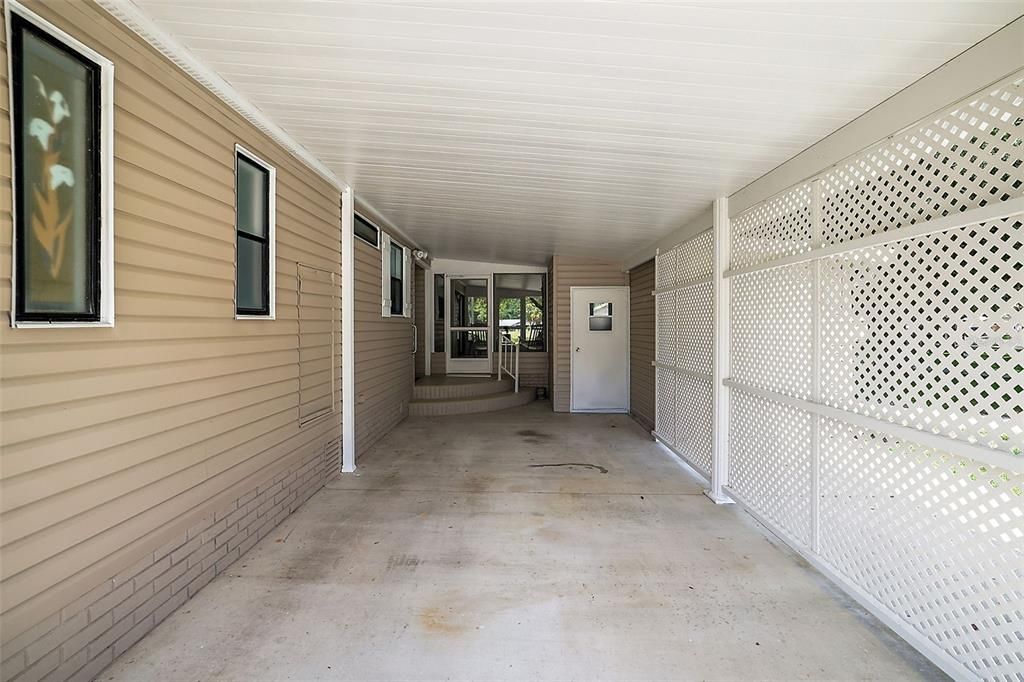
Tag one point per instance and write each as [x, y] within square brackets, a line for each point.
[384, 361]
[572, 272]
[641, 343]
[117, 440]
[420, 317]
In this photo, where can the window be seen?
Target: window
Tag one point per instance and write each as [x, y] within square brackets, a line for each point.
[366, 231]
[396, 275]
[438, 313]
[520, 300]
[63, 160]
[254, 236]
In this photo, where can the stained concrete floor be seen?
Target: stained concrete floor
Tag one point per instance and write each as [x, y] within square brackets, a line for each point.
[456, 555]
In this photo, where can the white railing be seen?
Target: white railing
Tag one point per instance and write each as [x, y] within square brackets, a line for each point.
[508, 359]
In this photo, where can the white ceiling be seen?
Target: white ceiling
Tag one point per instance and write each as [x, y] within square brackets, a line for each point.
[509, 132]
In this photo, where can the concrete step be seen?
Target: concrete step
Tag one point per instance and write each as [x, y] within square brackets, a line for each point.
[471, 404]
[460, 387]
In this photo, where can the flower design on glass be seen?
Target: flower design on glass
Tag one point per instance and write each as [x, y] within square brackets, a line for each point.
[60, 107]
[52, 210]
[41, 130]
[61, 175]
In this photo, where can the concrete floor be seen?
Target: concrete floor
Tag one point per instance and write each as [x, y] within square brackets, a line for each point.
[452, 555]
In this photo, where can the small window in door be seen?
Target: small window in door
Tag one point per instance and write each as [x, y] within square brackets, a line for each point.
[600, 317]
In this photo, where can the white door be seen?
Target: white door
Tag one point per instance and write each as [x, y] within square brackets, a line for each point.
[467, 324]
[600, 349]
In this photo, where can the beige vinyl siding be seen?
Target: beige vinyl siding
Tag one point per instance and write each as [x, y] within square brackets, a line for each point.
[384, 362]
[572, 272]
[420, 305]
[114, 440]
[641, 344]
[533, 368]
[438, 363]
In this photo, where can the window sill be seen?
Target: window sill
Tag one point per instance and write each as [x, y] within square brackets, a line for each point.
[254, 317]
[33, 324]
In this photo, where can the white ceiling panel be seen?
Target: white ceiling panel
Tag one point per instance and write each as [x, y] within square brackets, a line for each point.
[509, 132]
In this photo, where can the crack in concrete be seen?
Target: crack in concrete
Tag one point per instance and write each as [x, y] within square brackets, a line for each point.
[570, 464]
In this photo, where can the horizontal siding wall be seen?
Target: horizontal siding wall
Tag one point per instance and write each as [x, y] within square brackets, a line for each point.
[114, 441]
[533, 368]
[641, 343]
[384, 361]
[572, 272]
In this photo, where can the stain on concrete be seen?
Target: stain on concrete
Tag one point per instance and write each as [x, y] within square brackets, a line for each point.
[435, 621]
[406, 561]
[539, 435]
[571, 464]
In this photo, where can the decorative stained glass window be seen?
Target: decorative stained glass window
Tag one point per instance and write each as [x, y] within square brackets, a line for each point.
[57, 97]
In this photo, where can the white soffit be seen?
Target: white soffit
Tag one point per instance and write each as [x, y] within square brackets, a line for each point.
[511, 131]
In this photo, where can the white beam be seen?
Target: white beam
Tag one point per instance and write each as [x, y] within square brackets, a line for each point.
[720, 360]
[348, 328]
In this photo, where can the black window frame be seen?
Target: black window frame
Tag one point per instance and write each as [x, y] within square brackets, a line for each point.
[358, 220]
[94, 164]
[399, 280]
[265, 241]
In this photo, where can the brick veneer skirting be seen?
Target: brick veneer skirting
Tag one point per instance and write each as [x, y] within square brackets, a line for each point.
[80, 640]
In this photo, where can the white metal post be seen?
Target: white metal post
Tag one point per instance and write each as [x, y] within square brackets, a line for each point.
[517, 367]
[348, 327]
[817, 240]
[720, 363]
[429, 301]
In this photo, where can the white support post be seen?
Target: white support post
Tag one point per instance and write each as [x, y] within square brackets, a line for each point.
[429, 301]
[348, 327]
[817, 240]
[720, 369]
[517, 367]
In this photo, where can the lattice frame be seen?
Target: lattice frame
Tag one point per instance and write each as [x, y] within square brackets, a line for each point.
[925, 333]
[937, 539]
[683, 309]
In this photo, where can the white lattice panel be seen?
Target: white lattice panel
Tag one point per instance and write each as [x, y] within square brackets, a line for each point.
[929, 333]
[779, 227]
[693, 421]
[770, 462]
[684, 341]
[937, 539]
[666, 270]
[772, 329]
[694, 259]
[665, 309]
[665, 404]
[968, 157]
[926, 332]
[693, 331]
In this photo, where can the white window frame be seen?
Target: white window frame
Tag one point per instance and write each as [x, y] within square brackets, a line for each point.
[271, 235]
[385, 260]
[106, 207]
